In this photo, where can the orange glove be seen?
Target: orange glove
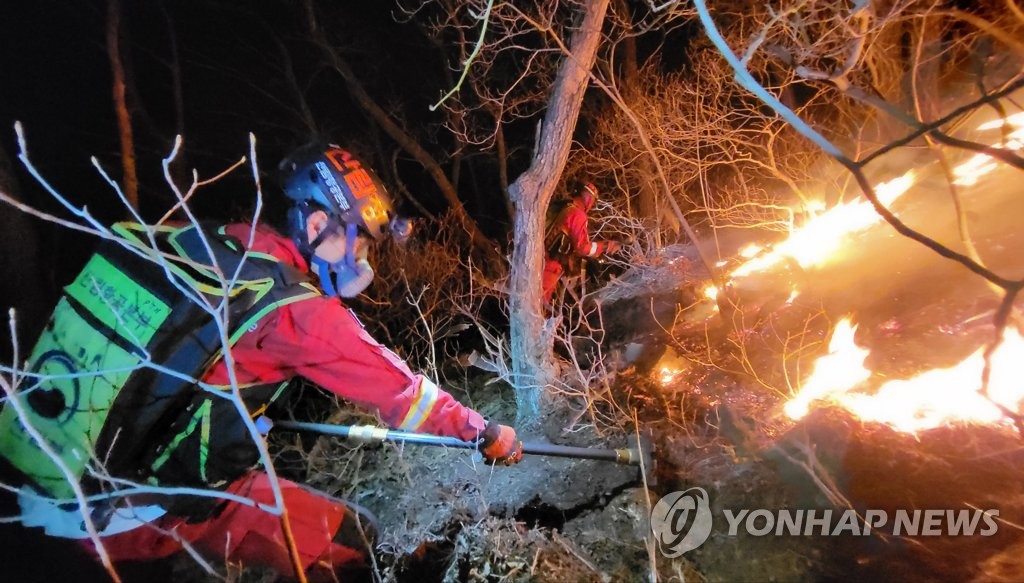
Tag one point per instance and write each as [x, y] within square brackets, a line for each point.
[499, 444]
[613, 247]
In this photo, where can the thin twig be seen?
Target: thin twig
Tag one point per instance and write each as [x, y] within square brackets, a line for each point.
[83, 507]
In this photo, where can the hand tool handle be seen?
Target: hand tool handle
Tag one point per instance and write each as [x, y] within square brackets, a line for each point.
[369, 433]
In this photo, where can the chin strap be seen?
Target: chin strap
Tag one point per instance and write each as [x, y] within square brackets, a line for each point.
[351, 233]
[323, 271]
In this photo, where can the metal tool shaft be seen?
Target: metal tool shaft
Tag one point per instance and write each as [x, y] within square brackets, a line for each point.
[372, 434]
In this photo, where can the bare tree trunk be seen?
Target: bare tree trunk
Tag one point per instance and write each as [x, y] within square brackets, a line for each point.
[124, 123]
[531, 193]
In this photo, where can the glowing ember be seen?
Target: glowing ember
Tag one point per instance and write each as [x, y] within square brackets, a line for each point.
[818, 240]
[711, 292]
[932, 399]
[670, 366]
[668, 374]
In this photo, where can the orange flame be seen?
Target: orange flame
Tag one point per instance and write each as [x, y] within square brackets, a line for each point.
[976, 166]
[835, 373]
[817, 241]
[934, 398]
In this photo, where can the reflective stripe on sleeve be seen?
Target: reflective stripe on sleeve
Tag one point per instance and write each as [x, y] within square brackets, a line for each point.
[593, 249]
[422, 405]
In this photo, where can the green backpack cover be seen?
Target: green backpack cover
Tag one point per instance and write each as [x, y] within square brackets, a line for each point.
[111, 387]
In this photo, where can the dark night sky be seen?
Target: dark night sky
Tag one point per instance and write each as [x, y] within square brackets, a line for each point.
[57, 82]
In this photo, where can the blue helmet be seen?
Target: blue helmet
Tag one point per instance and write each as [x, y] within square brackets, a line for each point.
[335, 181]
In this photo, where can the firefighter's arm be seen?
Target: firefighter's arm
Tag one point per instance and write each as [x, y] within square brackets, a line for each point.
[576, 227]
[336, 353]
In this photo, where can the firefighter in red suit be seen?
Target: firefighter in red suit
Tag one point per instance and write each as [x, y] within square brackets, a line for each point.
[339, 206]
[568, 238]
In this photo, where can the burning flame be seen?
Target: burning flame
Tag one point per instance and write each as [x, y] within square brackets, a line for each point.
[976, 166]
[1014, 121]
[818, 240]
[835, 373]
[750, 250]
[932, 399]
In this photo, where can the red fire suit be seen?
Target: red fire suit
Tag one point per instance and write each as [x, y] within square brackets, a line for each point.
[572, 221]
[318, 339]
